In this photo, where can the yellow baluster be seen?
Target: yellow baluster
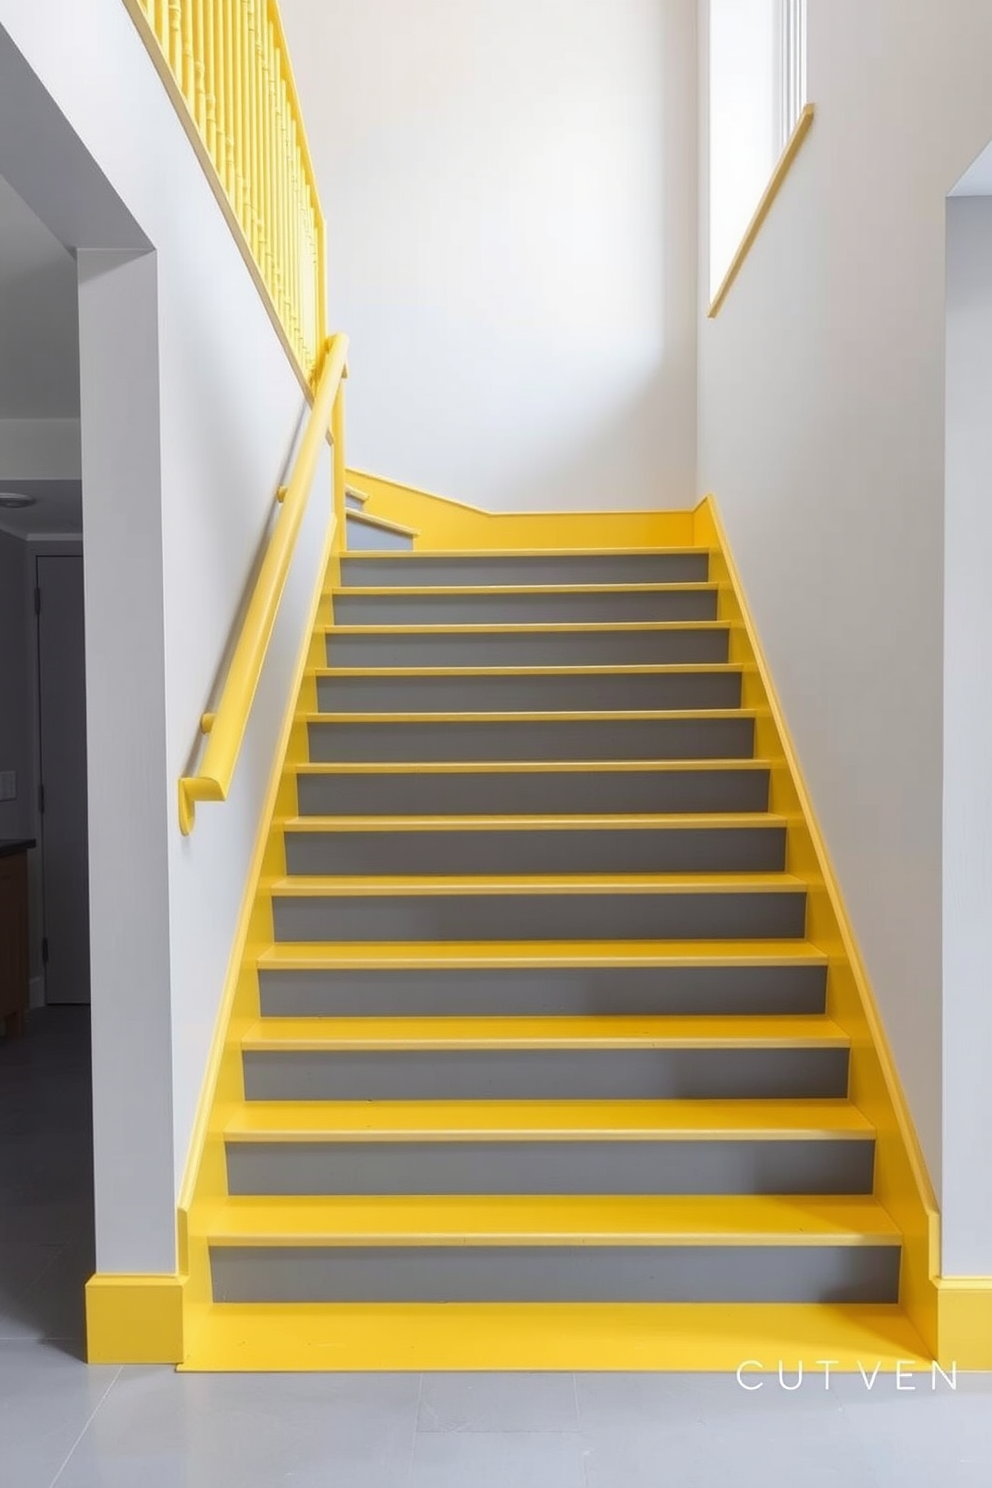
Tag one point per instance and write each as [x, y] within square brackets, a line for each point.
[199, 66]
[237, 110]
[220, 112]
[174, 45]
[230, 113]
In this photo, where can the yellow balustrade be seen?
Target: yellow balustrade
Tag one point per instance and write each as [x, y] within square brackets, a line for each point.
[227, 67]
[225, 727]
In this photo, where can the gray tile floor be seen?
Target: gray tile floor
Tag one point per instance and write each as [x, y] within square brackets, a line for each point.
[63, 1423]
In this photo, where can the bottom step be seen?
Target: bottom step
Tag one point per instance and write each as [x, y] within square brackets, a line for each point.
[676, 1337]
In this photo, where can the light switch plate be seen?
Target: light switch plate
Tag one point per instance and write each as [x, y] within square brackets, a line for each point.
[8, 785]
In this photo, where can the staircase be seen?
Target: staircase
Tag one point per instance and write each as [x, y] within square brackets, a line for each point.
[534, 1028]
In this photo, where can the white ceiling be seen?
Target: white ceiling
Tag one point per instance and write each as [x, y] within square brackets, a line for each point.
[39, 317]
[58, 511]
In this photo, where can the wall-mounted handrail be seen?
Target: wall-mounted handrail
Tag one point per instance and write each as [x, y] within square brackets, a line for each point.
[226, 726]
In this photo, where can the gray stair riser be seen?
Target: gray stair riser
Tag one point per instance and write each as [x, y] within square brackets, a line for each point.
[542, 992]
[497, 741]
[543, 648]
[534, 793]
[772, 1273]
[757, 849]
[546, 1074]
[546, 568]
[524, 608]
[544, 692]
[629, 915]
[352, 503]
[362, 537]
[711, 1166]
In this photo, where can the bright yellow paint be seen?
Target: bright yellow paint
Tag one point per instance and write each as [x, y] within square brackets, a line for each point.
[615, 1219]
[677, 1337]
[546, 1120]
[757, 222]
[349, 1034]
[453, 954]
[561, 1336]
[314, 825]
[226, 725]
[537, 767]
[379, 524]
[964, 1313]
[301, 886]
[448, 526]
[901, 1180]
[226, 67]
[134, 1320]
[636, 669]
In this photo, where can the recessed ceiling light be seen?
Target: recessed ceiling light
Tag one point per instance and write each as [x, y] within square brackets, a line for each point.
[16, 500]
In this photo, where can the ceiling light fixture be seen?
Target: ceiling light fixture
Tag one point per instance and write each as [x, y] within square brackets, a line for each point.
[16, 500]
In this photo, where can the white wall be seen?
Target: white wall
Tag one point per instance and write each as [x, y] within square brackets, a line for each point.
[967, 735]
[510, 188]
[822, 434]
[190, 411]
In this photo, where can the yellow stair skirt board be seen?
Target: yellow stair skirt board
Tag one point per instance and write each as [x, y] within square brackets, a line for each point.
[445, 525]
[949, 1320]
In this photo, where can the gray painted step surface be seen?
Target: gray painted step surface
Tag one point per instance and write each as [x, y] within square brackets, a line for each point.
[628, 915]
[543, 991]
[528, 648]
[546, 1074]
[446, 570]
[716, 1166]
[533, 793]
[524, 608]
[406, 741]
[548, 692]
[457, 853]
[558, 1273]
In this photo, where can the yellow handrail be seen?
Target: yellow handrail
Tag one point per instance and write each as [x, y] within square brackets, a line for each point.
[227, 68]
[226, 727]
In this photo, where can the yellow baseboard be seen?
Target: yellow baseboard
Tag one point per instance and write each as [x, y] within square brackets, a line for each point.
[964, 1321]
[135, 1320]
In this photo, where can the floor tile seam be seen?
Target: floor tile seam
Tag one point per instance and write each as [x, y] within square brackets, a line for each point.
[86, 1426]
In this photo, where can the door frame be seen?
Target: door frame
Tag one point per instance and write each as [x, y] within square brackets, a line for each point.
[65, 546]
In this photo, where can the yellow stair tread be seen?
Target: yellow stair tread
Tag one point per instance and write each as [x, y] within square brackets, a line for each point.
[695, 1120]
[305, 886]
[615, 715]
[495, 1219]
[674, 1336]
[524, 767]
[617, 669]
[668, 821]
[341, 1034]
[529, 627]
[681, 550]
[321, 956]
[403, 590]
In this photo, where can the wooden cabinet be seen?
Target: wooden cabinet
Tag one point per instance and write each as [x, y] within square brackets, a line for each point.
[14, 975]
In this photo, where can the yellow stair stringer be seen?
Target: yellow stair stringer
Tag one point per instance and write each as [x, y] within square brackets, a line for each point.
[205, 1177]
[444, 525]
[902, 1184]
